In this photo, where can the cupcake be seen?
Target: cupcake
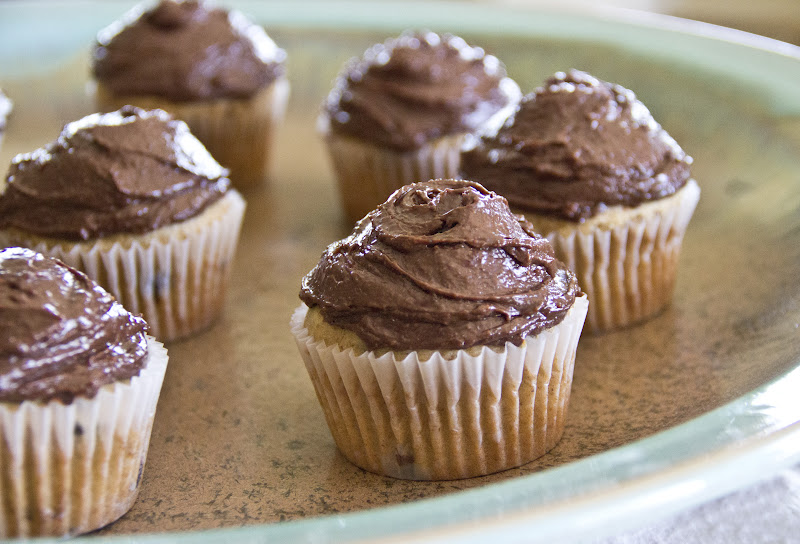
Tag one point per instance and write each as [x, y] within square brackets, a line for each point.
[135, 201]
[400, 114]
[440, 336]
[588, 165]
[5, 110]
[210, 67]
[79, 383]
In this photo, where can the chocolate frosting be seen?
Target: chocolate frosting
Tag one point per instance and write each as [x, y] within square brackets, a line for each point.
[416, 88]
[441, 265]
[576, 146]
[129, 171]
[62, 335]
[186, 50]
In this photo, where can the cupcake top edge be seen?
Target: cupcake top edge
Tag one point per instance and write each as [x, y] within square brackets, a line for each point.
[576, 146]
[441, 265]
[63, 336]
[418, 87]
[186, 50]
[130, 171]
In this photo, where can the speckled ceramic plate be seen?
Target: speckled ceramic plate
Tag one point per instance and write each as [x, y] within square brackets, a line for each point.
[694, 403]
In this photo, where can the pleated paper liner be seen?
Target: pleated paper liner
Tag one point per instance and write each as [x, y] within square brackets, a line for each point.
[72, 468]
[626, 259]
[453, 414]
[367, 175]
[175, 276]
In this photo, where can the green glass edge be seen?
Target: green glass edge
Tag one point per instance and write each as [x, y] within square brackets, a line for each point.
[735, 445]
[696, 45]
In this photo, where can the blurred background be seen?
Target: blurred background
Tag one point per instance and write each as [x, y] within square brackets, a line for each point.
[779, 19]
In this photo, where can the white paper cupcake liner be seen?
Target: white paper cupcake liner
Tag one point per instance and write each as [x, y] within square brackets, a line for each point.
[175, 276]
[626, 261]
[457, 414]
[368, 174]
[239, 133]
[70, 469]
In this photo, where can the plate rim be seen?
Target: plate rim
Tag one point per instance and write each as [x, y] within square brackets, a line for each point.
[701, 475]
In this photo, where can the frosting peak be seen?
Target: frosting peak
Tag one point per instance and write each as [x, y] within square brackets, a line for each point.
[441, 265]
[172, 15]
[416, 88]
[439, 213]
[186, 50]
[576, 146]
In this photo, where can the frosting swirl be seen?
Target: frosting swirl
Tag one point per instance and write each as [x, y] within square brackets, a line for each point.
[576, 146]
[416, 88]
[129, 171]
[442, 264]
[62, 335]
[186, 50]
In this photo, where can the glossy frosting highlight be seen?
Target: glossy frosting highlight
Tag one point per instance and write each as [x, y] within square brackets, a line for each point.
[441, 265]
[129, 171]
[5, 109]
[416, 88]
[61, 335]
[575, 147]
[186, 50]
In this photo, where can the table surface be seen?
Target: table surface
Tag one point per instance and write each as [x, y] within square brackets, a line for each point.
[766, 513]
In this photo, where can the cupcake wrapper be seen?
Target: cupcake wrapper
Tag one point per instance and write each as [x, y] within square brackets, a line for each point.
[367, 175]
[69, 469]
[175, 276]
[239, 133]
[457, 414]
[627, 266]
